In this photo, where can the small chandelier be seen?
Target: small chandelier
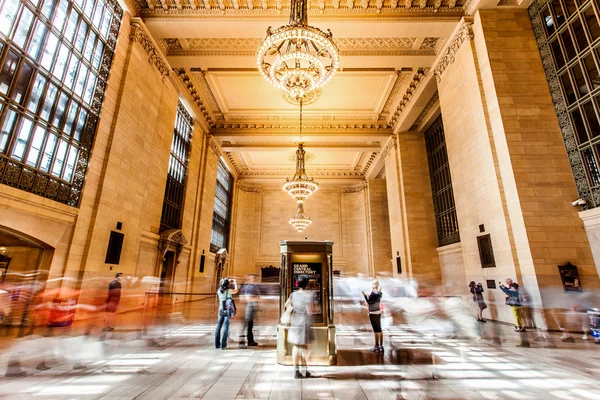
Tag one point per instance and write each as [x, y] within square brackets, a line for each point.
[300, 221]
[300, 186]
[298, 58]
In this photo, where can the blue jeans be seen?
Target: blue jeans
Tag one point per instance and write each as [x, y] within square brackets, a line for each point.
[222, 322]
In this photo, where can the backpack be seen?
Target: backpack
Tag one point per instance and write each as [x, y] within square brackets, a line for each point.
[228, 307]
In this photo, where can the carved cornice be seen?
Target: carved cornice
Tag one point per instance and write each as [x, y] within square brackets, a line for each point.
[408, 95]
[140, 35]
[249, 189]
[400, 80]
[391, 143]
[369, 162]
[286, 174]
[463, 34]
[231, 157]
[199, 78]
[188, 83]
[214, 146]
[430, 108]
[355, 189]
[318, 8]
[347, 46]
[291, 127]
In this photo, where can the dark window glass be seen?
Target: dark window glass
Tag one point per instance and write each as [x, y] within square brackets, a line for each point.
[22, 83]
[177, 173]
[592, 119]
[558, 12]
[579, 34]
[592, 71]
[579, 126]
[568, 90]
[579, 81]
[441, 184]
[222, 209]
[8, 71]
[41, 66]
[559, 59]
[571, 7]
[592, 23]
[591, 166]
[548, 21]
[568, 44]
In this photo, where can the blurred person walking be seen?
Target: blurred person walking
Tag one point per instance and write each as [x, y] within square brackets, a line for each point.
[226, 311]
[112, 302]
[515, 301]
[252, 298]
[373, 300]
[477, 292]
[300, 333]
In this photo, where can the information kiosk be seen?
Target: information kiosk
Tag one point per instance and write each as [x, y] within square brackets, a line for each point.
[313, 259]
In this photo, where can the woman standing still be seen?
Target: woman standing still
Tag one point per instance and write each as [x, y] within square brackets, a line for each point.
[223, 294]
[300, 333]
[477, 292]
[373, 300]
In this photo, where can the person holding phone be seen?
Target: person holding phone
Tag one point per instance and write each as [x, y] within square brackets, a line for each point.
[477, 292]
[373, 300]
[515, 301]
[227, 288]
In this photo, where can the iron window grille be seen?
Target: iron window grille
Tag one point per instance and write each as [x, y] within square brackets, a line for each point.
[568, 37]
[222, 209]
[55, 56]
[172, 210]
[441, 184]
[486, 252]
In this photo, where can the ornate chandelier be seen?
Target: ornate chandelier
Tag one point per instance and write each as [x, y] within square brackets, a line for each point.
[298, 58]
[300, 186]
[300, 221]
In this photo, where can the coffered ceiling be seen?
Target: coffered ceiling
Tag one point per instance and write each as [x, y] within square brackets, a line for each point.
[383, 86]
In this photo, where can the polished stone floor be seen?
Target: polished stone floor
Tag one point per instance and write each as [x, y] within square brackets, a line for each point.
[181, 362]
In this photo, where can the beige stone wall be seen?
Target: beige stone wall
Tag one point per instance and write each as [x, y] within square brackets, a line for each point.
[262, 222]
[379, 227]
[538, 181]
[477, 192]
[508, 164]
[411, 216]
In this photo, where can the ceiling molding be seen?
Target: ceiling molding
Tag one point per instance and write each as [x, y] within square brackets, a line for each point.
[188, 84]
[428, 112]
[417, 79]
[388, 46]
[355, 189]
[462, 34]
[318, 10]
[139, 34]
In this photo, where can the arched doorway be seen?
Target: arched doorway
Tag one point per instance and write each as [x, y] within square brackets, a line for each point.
[24, 267]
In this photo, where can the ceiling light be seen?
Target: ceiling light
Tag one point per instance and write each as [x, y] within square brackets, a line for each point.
[298, 58]
[300, 221]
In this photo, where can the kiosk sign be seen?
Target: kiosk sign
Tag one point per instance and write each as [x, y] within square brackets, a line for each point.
[314, 273]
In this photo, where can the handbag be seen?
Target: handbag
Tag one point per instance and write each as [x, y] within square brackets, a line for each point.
[286, 317]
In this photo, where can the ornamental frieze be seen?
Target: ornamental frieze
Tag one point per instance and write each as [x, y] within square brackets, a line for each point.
[464, 34]
[140, 35]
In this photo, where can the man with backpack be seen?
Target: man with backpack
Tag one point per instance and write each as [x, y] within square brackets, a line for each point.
[226, 310]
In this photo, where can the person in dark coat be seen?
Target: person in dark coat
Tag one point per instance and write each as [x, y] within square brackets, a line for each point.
[477, 292]
[373, 300]
[112, 301]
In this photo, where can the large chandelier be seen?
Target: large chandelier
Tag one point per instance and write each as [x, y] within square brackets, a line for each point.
[300, 221]
[298, 58]
[300, 186]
